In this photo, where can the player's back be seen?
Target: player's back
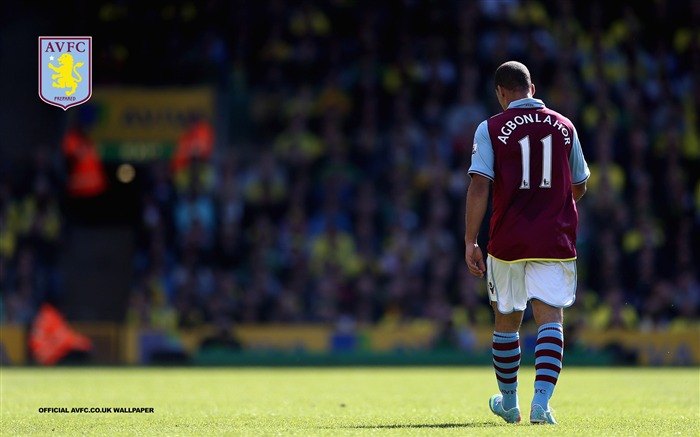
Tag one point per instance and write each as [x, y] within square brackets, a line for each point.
[534, 214]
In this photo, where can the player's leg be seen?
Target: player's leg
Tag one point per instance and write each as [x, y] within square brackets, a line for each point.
[551, 287]
[506, 354]
[508, 296]
[549, 354]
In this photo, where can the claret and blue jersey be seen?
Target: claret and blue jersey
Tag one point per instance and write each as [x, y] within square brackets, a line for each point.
[532, 155]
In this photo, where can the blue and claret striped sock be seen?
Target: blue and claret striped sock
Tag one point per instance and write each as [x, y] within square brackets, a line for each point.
[549, 352]
[506, 362]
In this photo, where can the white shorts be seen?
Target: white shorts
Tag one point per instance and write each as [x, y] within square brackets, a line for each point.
[513, 284]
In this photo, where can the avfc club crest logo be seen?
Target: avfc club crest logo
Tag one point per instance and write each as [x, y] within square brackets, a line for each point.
[65, 70]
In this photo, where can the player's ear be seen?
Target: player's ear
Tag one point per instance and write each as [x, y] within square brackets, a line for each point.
[532, 89]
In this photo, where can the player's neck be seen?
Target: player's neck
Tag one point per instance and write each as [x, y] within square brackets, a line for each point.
[516, 97]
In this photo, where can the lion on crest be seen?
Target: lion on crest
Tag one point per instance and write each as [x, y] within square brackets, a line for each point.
[64, 77]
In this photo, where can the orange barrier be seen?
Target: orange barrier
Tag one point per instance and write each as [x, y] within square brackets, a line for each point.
[86, 177]
[52, 339]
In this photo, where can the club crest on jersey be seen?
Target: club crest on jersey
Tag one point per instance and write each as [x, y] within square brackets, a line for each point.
[65, 70]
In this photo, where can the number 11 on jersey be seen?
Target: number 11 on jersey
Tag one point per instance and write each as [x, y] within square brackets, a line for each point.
[546, 162]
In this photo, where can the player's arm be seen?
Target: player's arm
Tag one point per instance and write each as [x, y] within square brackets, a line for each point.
[482, 173]
[579, 169]
[477, 202]
[579, 190]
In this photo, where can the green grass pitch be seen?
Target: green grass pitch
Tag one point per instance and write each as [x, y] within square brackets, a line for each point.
[342, 401]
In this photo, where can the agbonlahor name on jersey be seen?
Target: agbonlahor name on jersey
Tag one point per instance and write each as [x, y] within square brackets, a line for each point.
[519, 120]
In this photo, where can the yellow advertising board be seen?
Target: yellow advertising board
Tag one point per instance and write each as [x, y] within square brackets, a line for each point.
[145, 123]
[118, 344]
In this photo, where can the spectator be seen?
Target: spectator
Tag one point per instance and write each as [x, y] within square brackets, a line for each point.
[356, 140]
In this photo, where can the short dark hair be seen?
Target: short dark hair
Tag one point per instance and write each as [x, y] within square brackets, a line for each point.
[513, 76]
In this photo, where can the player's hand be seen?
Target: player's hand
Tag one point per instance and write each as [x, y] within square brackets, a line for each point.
[475, 260]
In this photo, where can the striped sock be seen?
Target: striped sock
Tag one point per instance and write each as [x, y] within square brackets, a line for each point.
[549, 352]
[506, 362]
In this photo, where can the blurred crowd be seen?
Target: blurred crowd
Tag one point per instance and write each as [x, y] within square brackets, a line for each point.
[340, 196]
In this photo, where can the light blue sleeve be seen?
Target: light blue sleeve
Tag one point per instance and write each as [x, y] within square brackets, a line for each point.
[579, 168]
[482, 153]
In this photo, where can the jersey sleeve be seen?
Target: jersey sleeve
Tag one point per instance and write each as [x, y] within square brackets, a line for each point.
[482, 153]
[579, 168]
